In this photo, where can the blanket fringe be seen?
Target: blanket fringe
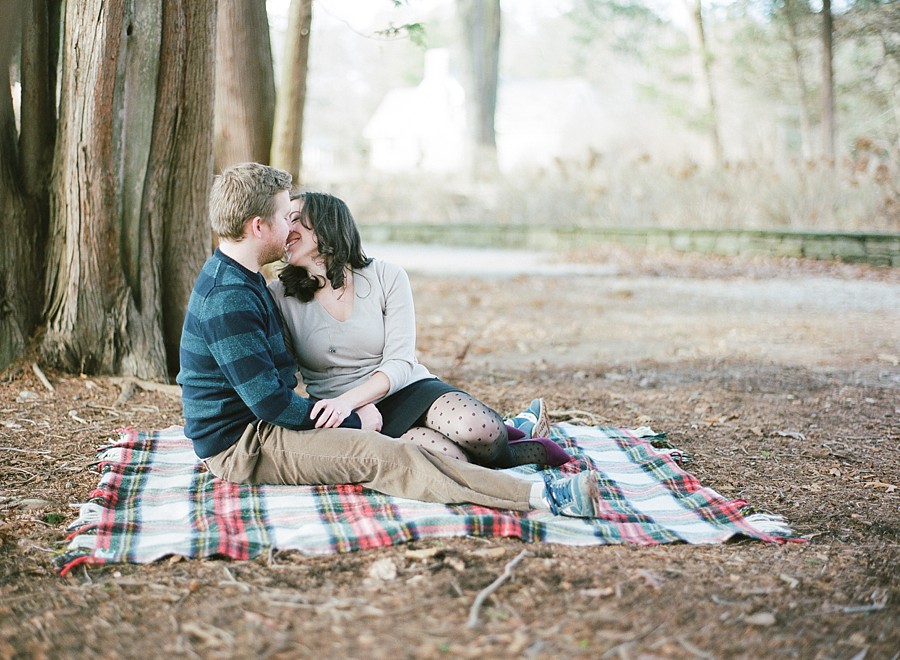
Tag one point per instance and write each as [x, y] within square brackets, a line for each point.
[89, 513]
[771, 525]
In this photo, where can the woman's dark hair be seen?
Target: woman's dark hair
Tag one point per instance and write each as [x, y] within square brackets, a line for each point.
[339, 243]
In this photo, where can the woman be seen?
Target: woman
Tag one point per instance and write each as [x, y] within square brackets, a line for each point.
[352, 323]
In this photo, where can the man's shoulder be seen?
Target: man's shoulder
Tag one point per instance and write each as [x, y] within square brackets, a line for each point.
[218, 273]
[224, 288]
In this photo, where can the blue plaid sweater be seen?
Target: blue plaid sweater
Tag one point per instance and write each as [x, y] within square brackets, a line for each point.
[235, 367]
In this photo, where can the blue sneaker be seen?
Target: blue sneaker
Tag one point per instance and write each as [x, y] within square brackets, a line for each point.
[533, 421]
[576, 496]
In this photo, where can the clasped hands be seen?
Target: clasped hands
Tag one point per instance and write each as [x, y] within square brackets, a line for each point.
[329, 413]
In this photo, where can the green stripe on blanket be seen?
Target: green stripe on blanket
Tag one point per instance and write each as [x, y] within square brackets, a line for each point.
[155, 499]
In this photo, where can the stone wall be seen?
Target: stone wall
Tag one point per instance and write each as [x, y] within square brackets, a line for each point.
[876, 249]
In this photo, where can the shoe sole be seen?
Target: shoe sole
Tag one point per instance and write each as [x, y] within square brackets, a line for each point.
[541, 428]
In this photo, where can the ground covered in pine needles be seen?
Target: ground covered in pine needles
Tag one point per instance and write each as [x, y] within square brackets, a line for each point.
[779, 378]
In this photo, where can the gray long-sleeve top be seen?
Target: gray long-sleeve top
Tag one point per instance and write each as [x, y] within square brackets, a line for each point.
[380, 335]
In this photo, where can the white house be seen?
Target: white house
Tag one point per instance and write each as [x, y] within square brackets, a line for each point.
[537, 121]
[422, 127]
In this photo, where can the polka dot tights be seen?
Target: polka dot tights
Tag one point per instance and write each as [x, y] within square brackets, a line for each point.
[460, 426]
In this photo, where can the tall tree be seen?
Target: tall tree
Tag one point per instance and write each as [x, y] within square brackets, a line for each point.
[131, 177]
[245, 83]
[703, 58]
[24, 165]
[794, 11]
[287, 147]
[828, 122]
[481, 23]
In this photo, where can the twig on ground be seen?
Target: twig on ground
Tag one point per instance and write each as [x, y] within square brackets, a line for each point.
[128, 385]
[460, 357]
[26, 451]
[491, 588]
[127, 392]
[231, 581]
[74, 415]
[41, 377]
[107, 409]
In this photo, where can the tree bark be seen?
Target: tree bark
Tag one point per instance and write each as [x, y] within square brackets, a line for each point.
[828, 121]
[287, 149]
[86, 288]
[703, 58]
[182, 158]
[23, 209]
[245, 84]
[131, 177]
[481, 29]
[40, 54]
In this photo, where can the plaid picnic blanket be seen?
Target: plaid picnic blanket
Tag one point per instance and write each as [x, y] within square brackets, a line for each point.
[155, 499]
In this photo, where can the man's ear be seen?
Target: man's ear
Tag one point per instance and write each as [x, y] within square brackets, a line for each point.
[255, 226]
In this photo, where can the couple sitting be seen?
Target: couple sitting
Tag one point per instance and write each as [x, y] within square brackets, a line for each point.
[375, 416]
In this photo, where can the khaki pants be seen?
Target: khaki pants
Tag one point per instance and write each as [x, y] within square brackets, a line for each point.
[268, 454]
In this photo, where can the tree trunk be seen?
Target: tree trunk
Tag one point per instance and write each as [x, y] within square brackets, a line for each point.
[481, 23]
[40, 55]
[703, 58]
[791, 13]
[23, 169]
[287, 150]
[181, 160]
[245, 84]
[828, 123]
[131, 178]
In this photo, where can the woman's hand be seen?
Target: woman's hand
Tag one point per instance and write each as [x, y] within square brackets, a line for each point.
[329, 413]
[370, 417]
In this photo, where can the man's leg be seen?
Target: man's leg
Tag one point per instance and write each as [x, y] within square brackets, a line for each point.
[393, 467]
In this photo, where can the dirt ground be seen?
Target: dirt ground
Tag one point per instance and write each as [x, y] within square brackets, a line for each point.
[780, 379]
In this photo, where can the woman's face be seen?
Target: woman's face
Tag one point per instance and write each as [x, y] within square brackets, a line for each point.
[302, 247]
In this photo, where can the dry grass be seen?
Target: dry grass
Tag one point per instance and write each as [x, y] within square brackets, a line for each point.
[862, 194]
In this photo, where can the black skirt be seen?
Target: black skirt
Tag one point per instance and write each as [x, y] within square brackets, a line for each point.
[404, 408]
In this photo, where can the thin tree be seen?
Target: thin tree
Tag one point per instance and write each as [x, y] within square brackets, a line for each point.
[287, 147]
[793, 12]
[481, 28]
[245, 83]
[828, 121]
[703, 57]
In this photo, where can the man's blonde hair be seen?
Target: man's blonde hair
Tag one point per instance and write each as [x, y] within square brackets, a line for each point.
[241, 192]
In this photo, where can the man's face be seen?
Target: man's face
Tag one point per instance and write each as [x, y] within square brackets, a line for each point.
[277, 229]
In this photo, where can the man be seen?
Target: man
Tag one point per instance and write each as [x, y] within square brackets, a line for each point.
[237, 377]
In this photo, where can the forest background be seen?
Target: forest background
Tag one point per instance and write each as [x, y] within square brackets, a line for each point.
[115, 115]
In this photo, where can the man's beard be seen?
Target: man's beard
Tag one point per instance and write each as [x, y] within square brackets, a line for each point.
[272, 253]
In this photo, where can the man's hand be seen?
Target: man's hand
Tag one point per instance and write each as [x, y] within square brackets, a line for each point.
[370, 417]
[329, 413]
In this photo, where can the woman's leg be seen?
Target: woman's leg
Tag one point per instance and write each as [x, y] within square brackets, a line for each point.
[470, 425]
[479, 431]
[434, 442]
